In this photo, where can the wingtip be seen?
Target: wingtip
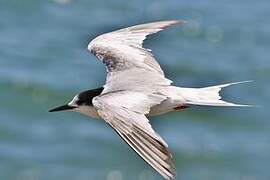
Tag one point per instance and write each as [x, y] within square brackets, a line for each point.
[169, 23]
[250, 106]
[241, 82]
[182, 21]
[178, 21]
[242, 105]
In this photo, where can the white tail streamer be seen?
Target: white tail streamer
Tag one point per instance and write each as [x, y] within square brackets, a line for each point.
[208, 96]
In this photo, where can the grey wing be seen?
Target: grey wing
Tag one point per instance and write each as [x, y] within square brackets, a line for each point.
[132, 126]
[122, 50]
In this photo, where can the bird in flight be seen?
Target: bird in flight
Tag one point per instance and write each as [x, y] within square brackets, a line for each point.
[136, 89]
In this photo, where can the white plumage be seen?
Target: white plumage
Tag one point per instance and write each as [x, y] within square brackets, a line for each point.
[135, 89]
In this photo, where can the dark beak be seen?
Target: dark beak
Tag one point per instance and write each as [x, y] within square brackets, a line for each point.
[62, 108]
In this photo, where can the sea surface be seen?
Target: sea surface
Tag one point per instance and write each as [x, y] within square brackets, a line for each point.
[44, 62]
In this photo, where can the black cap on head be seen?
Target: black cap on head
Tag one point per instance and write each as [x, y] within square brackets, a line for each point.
[86, 97]
[83, 99]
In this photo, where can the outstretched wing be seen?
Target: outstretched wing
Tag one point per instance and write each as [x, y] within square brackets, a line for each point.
[129, 121]
[122, 50]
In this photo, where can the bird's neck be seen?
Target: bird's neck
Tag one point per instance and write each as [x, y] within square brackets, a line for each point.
[88, 111]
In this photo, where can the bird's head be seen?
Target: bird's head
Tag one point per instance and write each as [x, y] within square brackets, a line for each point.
[83, 99]
[71, 106]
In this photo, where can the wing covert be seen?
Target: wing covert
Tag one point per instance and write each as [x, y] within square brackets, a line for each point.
[123, 49]
[129, 121]
[129, 65]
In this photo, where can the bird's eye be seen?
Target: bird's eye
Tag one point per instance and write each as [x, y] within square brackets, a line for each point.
[79, 102]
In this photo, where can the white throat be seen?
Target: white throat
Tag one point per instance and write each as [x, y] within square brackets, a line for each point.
[88, 111]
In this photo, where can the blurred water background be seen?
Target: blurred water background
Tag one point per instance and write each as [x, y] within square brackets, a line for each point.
[44, 62]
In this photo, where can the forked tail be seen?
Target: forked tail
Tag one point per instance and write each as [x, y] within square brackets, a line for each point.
[207, 96]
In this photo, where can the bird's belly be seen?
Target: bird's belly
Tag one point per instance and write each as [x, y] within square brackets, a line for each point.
[166, 106]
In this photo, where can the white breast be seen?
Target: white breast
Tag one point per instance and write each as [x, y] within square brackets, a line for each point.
[164, 107]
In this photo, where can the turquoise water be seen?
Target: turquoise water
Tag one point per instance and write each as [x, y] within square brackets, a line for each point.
[44, 62]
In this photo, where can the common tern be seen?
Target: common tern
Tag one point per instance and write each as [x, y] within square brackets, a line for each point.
[136, 89]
